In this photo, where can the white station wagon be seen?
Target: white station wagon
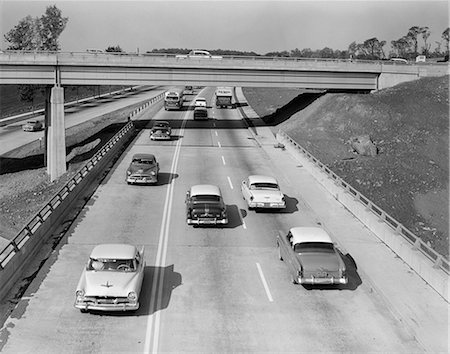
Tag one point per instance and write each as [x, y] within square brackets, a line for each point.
[262, 192]
[112, 279]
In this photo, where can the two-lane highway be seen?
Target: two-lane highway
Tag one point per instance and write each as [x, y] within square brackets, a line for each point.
[205, 289]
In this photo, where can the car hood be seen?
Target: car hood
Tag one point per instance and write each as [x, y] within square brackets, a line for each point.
[110, 283]
[321, 262]
[266, 195]
[141, 168]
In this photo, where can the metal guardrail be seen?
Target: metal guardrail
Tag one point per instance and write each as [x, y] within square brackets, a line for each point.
[30, 228]
[438, 260]
[36, 221]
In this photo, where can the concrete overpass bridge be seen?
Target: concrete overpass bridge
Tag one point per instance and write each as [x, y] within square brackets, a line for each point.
[59, 69]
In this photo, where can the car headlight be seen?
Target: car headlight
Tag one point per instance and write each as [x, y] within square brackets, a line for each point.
[128, 173]
[251, 198]
[132, 296]
[153, 173]
[224, 213]
[79, 293]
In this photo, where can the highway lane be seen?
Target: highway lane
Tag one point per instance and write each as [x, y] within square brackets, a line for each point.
[205, 289]
[12, 136]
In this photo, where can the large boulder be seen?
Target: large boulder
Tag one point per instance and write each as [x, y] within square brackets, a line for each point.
[363, 145]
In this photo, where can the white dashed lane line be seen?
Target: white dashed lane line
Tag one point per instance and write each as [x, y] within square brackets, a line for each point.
[223, 160]
[229, 181]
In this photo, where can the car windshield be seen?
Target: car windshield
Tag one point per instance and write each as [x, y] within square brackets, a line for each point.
[172, 98]
[206, 198]
[314, 247]
[264, 186]
[117, 265]
[143, 161]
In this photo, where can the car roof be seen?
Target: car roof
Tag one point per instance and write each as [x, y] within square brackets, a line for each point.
[161, 122]
[201, 189]
[261, 179]
[144, 156]
[309, 234]
[200, 99]
[114, 251]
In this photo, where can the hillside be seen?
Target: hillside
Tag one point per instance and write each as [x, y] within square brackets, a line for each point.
[409, 125]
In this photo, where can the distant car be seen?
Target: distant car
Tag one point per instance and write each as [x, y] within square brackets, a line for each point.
[32, 126]
[421, 59]
[198, 54]
[311, 256]
[200, 102]
[143, 169]
[200, 113]
[262, 192]
[161, 130]
[112, 279]
[188, 90]
[205, 206]
[399, 60]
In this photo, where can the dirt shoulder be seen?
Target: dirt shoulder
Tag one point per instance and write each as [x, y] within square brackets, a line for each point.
[409, 125]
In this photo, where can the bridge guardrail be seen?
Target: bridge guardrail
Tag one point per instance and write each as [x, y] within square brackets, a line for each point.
[61, 55]
[438, 260]
[18, 251]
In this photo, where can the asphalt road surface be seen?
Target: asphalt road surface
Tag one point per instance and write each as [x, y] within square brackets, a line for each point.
[211, 289]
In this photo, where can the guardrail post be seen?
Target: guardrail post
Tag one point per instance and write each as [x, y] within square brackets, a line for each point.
[438, 262]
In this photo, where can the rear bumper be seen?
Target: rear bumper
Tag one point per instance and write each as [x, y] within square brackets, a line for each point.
[207, 221]
[263, 205]
[325, 281]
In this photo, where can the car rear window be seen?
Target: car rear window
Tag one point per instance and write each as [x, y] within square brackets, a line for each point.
[264, 186]
[206, 198]
[322, 247]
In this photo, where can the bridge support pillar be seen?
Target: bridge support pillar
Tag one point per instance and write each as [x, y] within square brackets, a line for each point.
[56, 134]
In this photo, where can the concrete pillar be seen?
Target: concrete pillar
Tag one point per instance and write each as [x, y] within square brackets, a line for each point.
[56, 134]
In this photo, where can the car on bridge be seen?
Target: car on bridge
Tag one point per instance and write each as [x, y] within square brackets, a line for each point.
[143, 169]
[200, 113]
[32, 126]
[311, 257]
[112, 279]
[262, 192]
[198, 54]
[205, 206]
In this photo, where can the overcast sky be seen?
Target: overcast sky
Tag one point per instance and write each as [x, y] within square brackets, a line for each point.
[259, 26]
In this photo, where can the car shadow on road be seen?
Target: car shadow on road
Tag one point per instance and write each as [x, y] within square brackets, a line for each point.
[354, 280]
[161, 297]
[166, 178]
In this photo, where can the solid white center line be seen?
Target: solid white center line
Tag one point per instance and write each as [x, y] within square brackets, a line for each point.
[229, 181]
[263, 279]
[223, 160]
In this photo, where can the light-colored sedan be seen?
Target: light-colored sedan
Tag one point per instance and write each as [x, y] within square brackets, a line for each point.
[262, 192]
[32, 126]
[200, 102]
[311, 256]
[112, 279]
